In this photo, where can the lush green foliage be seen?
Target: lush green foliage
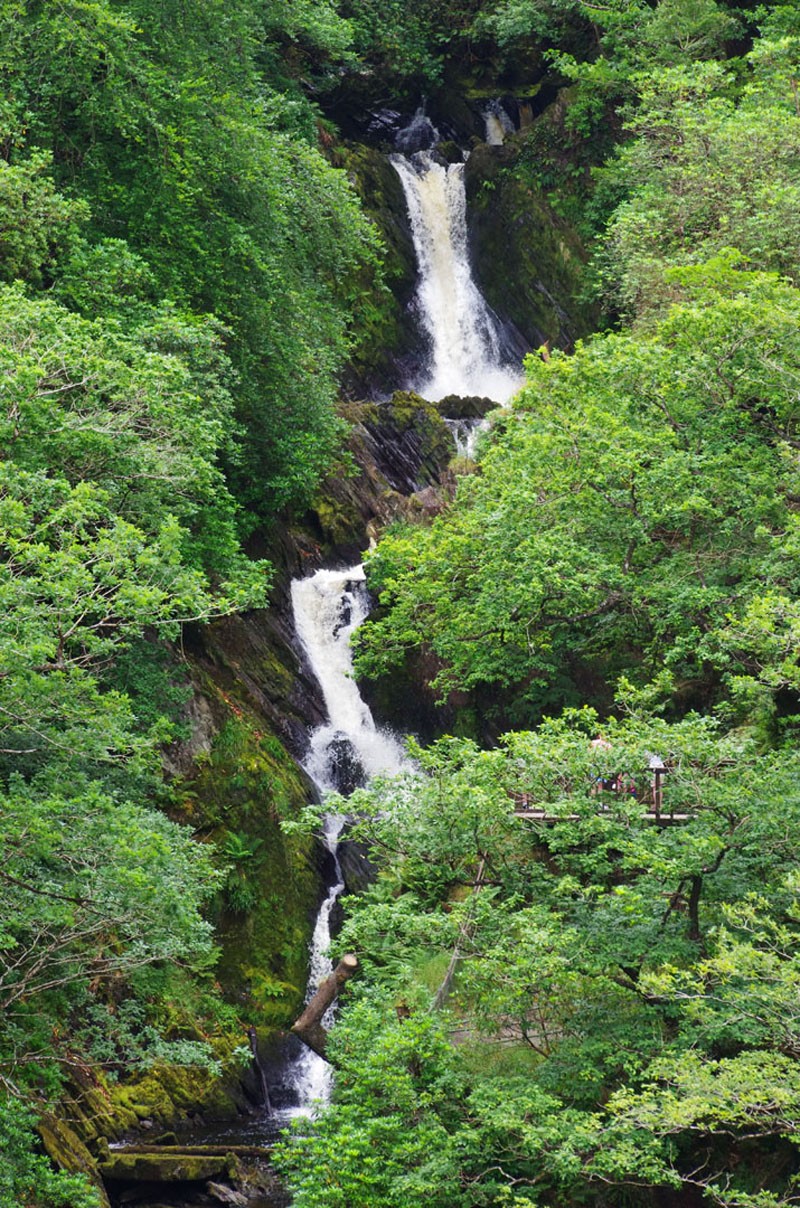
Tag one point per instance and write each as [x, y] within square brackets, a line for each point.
[633, 509]
[179, 273]
[25, 1176]
[584, 1006]
[619, 993]
[706, 171]
[116, 522]
[179, 265]
[163, 118]
[408, 44]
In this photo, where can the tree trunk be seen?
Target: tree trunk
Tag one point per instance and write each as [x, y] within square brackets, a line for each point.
[694, 910]
[309, 1026]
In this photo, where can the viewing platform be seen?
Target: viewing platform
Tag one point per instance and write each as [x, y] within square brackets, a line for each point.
[608, 792]
[534, 813]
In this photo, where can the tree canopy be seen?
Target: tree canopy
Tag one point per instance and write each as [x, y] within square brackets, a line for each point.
[585, 1002]
[167, 148]
[632, 508]
[569, 997]
[565, 998]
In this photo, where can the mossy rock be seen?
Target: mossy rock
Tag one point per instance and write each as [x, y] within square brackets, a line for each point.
[528, 261]
[456, 406]
[386, 332]
[169, 1094]
[63, 1145]
[449, 152]
[263, 917]
[412, 444]
[399, 448]
[166, 1168]
[88, 1107]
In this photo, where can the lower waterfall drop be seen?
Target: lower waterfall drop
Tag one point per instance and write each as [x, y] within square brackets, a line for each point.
[328, 607]
[343, 754]
[310, 1075]
[466, 433]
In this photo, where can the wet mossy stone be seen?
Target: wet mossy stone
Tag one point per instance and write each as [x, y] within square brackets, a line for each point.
[449, 152]
[187, 1167]
[456, 406]
[413, 443]
[263, 917]
[397, 449]
[528, 261]
[66, 1149]
[382, 196]
[358, 871]
[387, 332]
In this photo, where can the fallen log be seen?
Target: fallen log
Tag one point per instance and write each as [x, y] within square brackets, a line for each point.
[203, 1151]
[133, 1166]
[309, 1027]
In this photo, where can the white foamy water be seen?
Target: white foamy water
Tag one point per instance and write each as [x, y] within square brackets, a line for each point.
[466, 357]
[465, 434]
[344, 752]
[328, 608]
[312, 1076]
[498, 124]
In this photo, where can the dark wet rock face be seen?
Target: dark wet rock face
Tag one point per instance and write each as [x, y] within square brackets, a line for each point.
[409, 443]
[402, 448]
[357, 869]
[528, 261]
[456, 406]
[345, 770]
[384, 123]
[419, 135]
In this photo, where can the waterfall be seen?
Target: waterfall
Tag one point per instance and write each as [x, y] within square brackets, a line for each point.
[465, 434]
[343, 754]
[466, 357]
[310, 1075]
[498, 124]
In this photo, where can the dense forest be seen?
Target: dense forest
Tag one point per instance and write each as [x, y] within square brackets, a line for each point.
[563, 999]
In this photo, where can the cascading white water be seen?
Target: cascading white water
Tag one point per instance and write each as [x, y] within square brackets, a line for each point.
[466, 356]
[349, 749]
[328, 607]
[346, 751]
[498, 124]
[311, 1075]
[465, 435]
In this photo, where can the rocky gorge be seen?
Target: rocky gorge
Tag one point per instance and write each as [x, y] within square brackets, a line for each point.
[250, 698]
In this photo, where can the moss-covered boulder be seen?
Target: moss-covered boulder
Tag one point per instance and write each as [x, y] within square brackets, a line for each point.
[399, 454]
[242, 790]
[66, 1149]
[386, 331]
[413, 444]
[528, 261]
[171, 1095]
[136, 1167]
[457, 406]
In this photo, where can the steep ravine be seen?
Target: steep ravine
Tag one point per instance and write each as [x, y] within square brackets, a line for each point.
[251, 702]
[250, 708]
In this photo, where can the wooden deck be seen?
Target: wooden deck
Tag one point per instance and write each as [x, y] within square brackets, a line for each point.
[662, 818]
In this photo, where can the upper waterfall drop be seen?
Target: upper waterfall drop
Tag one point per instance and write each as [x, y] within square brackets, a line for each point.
[498, 123]
[467, 356]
